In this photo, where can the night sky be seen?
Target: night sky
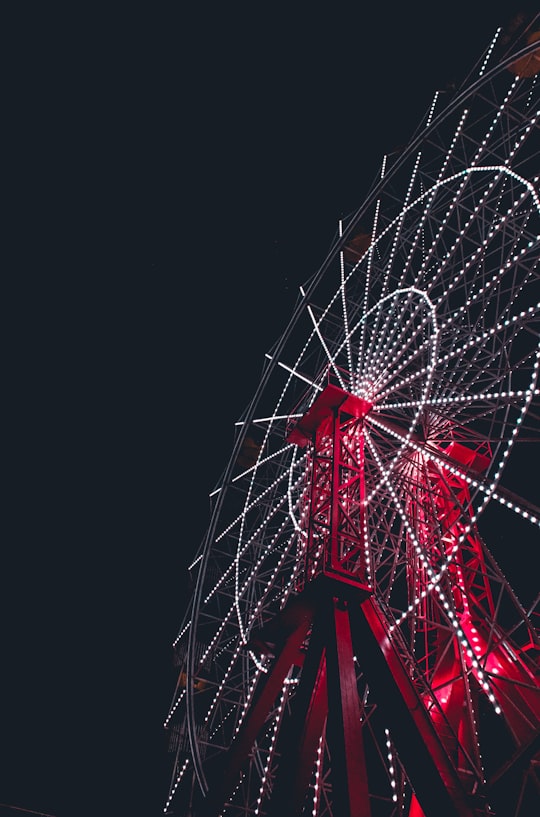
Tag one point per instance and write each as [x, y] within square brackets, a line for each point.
[177, 175]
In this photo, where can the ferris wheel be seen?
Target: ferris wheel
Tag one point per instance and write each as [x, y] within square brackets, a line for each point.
[353, 647]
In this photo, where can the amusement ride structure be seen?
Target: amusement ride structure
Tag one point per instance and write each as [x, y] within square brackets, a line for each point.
[353, 647]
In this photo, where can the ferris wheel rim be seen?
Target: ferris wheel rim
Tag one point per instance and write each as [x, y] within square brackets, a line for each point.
[273, 362]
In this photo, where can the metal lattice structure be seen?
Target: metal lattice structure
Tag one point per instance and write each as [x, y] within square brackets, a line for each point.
[353, 645]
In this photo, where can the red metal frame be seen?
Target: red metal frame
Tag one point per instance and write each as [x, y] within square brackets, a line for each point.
[334, 608]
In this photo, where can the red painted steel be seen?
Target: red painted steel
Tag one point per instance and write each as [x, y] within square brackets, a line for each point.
[286, 634]
[334, 609]
[344, 729]
[422, 749]
[336, 529]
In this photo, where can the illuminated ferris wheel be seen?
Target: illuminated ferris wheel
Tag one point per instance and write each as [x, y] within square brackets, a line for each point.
[354, 647]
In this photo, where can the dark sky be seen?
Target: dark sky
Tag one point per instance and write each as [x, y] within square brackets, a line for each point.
[177, 176]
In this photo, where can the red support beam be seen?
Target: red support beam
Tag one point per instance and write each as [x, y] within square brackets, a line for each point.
[292, 628]
[350, 791]
[299, 738]
[433, 776]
